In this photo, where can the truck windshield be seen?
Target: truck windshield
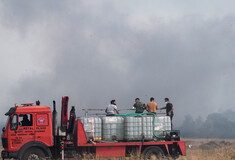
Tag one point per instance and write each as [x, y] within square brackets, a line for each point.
[14, 122]
[8, 117]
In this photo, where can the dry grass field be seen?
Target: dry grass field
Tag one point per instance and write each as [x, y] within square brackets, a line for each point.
[209, 149]
[198, 149]
[202, 149]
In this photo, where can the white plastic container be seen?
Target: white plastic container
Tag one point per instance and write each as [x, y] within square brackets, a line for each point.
[133, 128]
[113, 128]
[161, 125]
[92, 127]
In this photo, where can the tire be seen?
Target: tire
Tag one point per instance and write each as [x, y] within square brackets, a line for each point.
[153, 153]
[33, 154]
[175, 156]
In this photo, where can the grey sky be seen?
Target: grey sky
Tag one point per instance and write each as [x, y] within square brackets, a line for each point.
[95, 51]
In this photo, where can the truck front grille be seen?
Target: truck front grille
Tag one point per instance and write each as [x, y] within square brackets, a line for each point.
[4, 143]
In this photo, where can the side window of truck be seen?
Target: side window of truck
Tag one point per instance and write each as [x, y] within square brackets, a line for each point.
[25, 120]
[14, 122]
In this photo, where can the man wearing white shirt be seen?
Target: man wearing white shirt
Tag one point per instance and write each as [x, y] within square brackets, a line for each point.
[111, 109]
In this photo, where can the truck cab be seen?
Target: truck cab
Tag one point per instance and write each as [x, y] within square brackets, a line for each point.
[27, 126]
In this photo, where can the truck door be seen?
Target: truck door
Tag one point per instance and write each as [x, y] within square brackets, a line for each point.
[43, 129]
[21, 130]
[26, 128]
[13, 139]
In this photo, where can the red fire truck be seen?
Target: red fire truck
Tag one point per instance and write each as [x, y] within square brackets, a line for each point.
[31, 132]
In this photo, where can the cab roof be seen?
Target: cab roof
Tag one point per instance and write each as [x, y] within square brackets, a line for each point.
[29, 109]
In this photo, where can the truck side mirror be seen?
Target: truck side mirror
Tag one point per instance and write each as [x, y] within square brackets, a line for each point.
[3, 129]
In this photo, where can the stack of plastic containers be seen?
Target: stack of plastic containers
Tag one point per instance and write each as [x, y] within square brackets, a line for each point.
[113, 128]
[129, 128]
[139, 128]
[92, 127]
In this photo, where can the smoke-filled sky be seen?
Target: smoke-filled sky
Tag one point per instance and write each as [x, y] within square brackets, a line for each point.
[95, 51]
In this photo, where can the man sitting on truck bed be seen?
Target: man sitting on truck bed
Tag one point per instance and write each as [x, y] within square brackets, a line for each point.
[111, 109]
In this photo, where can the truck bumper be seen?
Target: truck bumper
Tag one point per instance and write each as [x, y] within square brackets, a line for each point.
[5, 154]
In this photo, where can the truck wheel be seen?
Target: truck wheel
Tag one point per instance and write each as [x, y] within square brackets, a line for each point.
[33, 154]
[153, 153]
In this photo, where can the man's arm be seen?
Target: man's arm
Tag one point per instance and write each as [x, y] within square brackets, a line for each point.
[172, 108]
[134, 106]
[117, 111]
[147, 108]
[144, 106]
[163, 108]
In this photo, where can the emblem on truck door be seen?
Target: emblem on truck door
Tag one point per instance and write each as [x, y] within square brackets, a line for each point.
[41, 120]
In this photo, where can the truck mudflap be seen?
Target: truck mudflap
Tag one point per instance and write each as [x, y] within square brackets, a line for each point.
[181, 145]
[9, 155]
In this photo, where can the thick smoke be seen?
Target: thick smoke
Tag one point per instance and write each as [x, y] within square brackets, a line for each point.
[98, 51]
[216, 125]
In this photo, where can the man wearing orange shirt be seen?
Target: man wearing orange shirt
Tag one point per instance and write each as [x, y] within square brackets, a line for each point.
[151, 106]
